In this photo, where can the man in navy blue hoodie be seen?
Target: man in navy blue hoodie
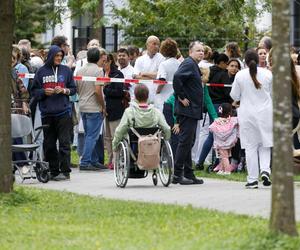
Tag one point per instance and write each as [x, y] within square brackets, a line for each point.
[53, 83]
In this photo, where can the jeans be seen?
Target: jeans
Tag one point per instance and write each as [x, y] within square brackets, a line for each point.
[92, 124]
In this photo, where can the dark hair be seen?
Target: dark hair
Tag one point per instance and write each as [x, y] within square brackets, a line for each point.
[93, 55]
[251, 59]
[123, 50]
[59, 40]
[168, 48]
[25, 55]
[110, 57]
[225, 110]
[141, 93]
[132, 50]
[234, 49]
[218, 58]
[295, 81]
[267, 41]
[235, 60]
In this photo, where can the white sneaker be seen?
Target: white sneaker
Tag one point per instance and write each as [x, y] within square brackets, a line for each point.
[226, 173]
[220, 172]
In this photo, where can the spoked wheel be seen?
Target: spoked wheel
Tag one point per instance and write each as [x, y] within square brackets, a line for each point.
[121, 165]
[154, 178]
[166, 167]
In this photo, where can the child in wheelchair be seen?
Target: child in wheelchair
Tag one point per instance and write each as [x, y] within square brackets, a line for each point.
[143, 118]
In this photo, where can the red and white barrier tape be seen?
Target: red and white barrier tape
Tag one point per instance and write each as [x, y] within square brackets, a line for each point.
[101, 80]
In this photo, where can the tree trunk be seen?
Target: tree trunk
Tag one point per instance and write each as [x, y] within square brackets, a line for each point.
[97, 15]
[283, 209]
[6, 31]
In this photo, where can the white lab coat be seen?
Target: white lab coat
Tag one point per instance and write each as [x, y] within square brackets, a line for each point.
[255, 113]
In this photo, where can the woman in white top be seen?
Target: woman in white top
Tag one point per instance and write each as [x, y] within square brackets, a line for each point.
[166, 71]
[252, 87]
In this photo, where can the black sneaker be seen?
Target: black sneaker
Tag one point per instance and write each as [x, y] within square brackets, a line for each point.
[252, 185]
[181, 180]
[199, 167]
[265, 176]
[88, 168]
[99, 165]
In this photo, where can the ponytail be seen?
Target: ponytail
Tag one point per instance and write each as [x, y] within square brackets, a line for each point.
[251, 59]
[253, 72]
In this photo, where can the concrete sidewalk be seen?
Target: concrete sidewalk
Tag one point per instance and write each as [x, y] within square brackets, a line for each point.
[225, 196]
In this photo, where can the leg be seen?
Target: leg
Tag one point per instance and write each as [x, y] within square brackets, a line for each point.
[63, 127]
[264, 162]
[91, 124]
[49, 144]
[252, 163]
[108, 140]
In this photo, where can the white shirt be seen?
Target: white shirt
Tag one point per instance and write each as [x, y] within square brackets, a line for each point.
[255, 113]
[204, 64]
[147, 64]
[166, 70]
[128, 72]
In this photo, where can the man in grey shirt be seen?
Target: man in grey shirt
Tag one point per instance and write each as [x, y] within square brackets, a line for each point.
[92, 108]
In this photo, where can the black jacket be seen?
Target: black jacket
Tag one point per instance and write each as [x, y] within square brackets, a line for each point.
[187, 84]
[219, 95]
[113, 96]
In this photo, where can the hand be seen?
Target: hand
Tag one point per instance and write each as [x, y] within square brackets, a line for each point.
[58, 90]
[106, 83]
[49, 91]
[25, 108]
[236, 104]
[103, 111]
[176, 129]
[185, 102]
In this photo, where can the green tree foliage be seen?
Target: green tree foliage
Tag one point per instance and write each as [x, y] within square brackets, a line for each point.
[214, 22]
[33, 17]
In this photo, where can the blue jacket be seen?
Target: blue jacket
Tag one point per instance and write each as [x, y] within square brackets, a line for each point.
[46, 77]
[187, 84]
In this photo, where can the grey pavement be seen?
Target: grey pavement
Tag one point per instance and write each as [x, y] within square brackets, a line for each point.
[221, 195]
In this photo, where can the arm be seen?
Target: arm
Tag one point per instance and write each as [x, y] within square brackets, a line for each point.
[209, 105]
[182, 74]
[114, 89]
[37, 88]
[164, 125]
[99, 96]
[236, 90]
[121, 130]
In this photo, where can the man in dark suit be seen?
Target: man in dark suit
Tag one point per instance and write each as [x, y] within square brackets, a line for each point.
[188, 108]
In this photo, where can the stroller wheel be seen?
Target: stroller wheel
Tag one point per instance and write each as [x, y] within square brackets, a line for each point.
[154, 178]
[43, 176]
[210, 168]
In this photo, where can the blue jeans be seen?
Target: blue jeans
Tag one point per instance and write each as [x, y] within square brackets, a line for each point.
[91, 124]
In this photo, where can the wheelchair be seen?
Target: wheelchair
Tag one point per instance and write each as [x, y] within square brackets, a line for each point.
[32, 167]
[126, 167]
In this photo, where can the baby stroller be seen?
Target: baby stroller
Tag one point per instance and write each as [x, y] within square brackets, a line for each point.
[125, 160]
[33, 167]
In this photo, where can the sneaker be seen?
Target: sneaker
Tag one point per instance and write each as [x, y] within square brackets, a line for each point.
[252, 185]
[218, 168]
[110, 166]
[61, 177]
[226, 173]
[99, 165]
[265, 176]
[88, 168]
[220, 172]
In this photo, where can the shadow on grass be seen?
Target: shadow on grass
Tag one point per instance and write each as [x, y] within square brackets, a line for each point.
[19, 197]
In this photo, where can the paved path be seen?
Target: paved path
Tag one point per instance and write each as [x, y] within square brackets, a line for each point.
[226, 196]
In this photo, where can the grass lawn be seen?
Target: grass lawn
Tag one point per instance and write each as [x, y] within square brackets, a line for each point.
[38, 219]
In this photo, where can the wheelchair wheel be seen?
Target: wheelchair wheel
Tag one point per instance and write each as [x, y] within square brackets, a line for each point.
[121, 165]
[165, 169]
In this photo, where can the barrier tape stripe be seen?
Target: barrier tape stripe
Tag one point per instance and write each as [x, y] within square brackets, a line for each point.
[102, 80]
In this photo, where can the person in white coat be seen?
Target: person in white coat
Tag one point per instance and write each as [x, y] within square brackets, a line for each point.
[252, 87]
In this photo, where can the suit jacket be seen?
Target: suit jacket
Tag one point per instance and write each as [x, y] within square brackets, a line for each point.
[187, 84]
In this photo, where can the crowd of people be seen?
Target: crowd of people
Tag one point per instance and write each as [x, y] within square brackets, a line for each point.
[234, 90]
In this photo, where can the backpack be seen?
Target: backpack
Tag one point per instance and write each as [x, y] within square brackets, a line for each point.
[148, 150]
